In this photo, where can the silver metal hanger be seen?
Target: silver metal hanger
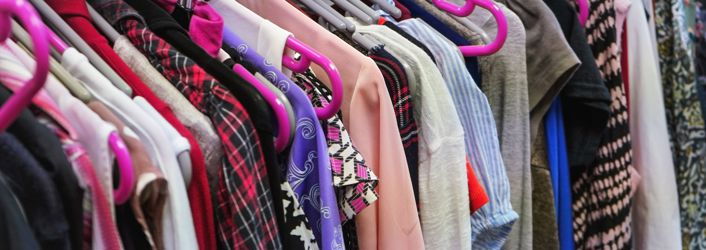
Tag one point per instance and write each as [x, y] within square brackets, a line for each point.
[103, 25]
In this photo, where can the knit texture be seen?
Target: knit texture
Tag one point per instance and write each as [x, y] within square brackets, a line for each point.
[601, 191]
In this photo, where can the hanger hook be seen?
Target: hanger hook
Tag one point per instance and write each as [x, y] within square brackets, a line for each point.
[30, 19]
[467, 9]
[461, 11]
[309, 55]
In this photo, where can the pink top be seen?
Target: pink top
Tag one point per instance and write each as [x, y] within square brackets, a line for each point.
[392, 222]
[205, 26]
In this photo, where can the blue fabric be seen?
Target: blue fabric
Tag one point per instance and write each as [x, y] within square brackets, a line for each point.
[308, 163]
[438, 25]
[559, 167]
[492, 223]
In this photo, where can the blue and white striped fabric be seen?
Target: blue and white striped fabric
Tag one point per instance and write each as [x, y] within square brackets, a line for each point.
[491, 224]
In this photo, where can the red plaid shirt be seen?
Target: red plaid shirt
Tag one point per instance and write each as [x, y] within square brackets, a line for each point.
[244, 208]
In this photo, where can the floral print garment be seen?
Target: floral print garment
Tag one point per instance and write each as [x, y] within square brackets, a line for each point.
[685, 121]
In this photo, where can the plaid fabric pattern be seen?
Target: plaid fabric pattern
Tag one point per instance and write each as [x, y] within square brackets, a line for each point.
[355, 183]
[397, 84]
[244, 208]
[398, 87]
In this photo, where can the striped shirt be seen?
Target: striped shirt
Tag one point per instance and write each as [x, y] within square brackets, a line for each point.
[493, 222]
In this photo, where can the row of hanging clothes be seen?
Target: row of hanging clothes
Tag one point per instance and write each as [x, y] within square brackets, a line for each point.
[351, 124]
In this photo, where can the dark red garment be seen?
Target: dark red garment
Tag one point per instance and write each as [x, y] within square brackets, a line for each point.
[75, 13]
[624, 62]
[406, 14]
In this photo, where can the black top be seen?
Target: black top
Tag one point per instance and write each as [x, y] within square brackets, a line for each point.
[131, 234]
[46, 148]
[585, 98]
[15, 233]
[36, 192]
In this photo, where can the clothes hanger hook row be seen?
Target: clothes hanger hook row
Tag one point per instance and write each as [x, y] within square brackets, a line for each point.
[309, 55]
[33, 23]
[466, 10]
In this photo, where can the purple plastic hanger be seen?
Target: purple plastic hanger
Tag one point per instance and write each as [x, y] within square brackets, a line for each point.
[466, 10]
[284, 132]
[584, 6]
[309, 55]
[29, 18]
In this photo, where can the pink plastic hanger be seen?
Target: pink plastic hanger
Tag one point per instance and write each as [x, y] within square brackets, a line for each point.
[466, 10]
[127, 179]
[309, 55]
[584, 6]
[284, 133]
[56, 42]
[29, 18]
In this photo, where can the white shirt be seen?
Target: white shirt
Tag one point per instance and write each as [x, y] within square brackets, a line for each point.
[177, 221]
[267, 38]
[179, 144]
[655, 213]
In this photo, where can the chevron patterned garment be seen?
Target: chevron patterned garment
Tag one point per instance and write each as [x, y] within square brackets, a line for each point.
[601, 191]
[354, 182]
[685, 123]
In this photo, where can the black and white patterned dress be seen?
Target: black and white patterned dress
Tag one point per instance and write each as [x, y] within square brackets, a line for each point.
[601, 191]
